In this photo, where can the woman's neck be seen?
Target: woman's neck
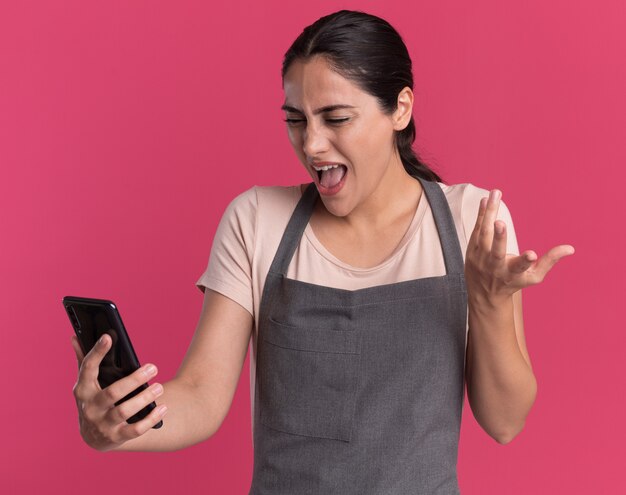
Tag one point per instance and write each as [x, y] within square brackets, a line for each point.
[395, 197]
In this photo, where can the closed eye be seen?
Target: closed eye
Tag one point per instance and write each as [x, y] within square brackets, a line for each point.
[330, 121]
[338, 121]
[294, 121]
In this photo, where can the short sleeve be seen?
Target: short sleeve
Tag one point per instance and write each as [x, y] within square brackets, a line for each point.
[469, 211]
[229, 270]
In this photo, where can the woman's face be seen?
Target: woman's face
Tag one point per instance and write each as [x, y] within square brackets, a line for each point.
[331, 122]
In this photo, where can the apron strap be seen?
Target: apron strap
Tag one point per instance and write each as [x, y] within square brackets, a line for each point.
[453, 257]
[295, 229]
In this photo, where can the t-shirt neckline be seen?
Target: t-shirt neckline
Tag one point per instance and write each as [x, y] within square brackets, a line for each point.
[416, 221]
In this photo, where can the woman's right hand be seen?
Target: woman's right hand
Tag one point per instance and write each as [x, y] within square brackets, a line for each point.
[103, 425]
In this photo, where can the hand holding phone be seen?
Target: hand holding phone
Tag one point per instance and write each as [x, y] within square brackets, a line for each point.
[114, 401]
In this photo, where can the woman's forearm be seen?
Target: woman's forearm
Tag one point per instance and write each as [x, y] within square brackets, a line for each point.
[187, 422]
[501, 386]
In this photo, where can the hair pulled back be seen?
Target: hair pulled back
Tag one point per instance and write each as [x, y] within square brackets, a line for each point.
[368, 51]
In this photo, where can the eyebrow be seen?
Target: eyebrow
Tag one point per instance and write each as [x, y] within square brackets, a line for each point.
[329, 108]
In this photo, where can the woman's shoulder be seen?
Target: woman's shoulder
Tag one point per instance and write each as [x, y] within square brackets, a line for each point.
[253, 214]
[260, 210]
[463, 193]
[464, 201]
[263, 198]
[466, 196]
[277, 196]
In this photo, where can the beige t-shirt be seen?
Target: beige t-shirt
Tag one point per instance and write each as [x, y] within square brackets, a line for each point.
[252, 226]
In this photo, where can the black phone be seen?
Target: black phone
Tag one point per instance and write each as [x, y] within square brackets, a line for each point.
[92, 318]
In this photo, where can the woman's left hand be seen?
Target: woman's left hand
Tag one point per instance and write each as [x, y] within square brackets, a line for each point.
[493, 275]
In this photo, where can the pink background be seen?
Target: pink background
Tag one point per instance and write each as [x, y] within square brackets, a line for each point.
[127, 127]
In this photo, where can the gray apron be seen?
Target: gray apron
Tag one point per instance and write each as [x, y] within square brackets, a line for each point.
[360, 391]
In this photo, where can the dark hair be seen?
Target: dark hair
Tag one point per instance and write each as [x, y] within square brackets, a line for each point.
[370, 52]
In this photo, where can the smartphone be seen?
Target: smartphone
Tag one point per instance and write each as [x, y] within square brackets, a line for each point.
[92, 318]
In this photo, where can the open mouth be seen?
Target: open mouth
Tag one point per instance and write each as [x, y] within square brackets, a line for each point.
[329, 176]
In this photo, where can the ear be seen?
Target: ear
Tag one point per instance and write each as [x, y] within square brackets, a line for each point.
[402, 115]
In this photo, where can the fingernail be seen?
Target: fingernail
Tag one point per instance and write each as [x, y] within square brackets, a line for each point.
[162, 409]
[499, 228]
[157, 389]
[150, 370]
[495, 194]
[101, 340]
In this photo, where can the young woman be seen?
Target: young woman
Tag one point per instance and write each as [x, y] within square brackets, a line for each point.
[371, 295]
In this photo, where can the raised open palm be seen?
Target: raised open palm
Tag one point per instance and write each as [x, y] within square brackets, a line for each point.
[490, 272]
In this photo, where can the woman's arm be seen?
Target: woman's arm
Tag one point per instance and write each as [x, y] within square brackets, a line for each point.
[197, 399]
[501, 386]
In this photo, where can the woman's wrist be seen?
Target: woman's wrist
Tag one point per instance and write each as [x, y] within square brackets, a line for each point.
[482, 303]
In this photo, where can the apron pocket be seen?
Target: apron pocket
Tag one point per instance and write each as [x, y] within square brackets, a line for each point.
[308, 380]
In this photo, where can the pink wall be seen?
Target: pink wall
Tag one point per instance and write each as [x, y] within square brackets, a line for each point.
[127, 127]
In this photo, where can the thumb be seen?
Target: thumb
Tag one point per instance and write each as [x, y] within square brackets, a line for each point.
[77, 350]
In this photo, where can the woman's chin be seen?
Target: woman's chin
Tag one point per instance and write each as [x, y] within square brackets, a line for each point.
[335, 206]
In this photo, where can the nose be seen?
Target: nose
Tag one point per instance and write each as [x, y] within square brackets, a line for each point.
[314, 142]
